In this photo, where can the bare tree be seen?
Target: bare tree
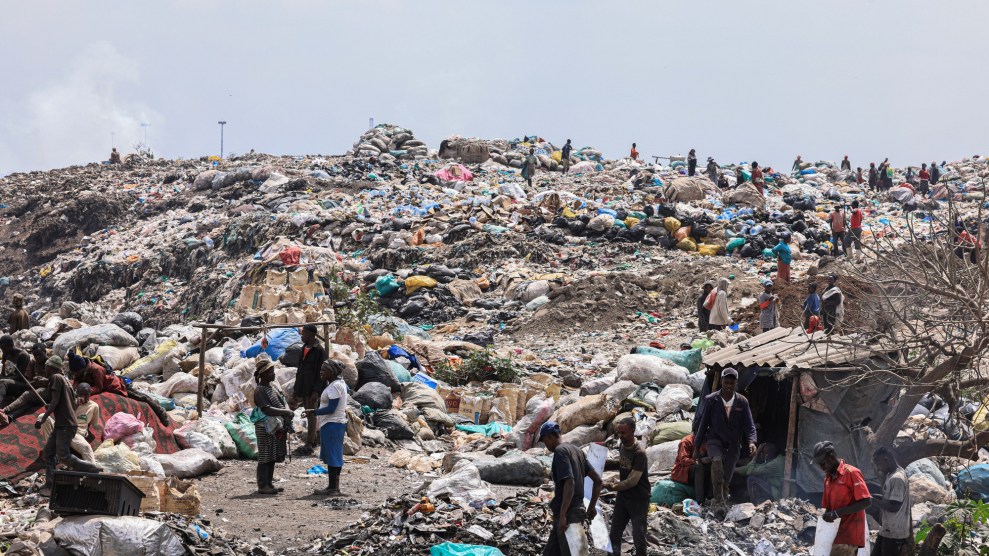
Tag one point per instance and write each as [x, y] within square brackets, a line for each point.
[931, 327]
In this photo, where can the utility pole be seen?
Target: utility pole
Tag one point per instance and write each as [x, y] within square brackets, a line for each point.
[222, 123]
[370, 123]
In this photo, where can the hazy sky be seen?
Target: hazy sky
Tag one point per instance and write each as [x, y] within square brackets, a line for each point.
[737, 80]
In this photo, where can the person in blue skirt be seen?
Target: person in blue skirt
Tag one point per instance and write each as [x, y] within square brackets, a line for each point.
[331, 416]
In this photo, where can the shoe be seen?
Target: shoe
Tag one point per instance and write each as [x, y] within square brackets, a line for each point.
[267, 490]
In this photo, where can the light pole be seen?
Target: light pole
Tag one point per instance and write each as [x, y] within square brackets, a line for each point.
[146, 126]
[222, 123]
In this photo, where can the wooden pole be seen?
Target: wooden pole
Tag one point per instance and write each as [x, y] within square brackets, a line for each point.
[326, 337]
[202, 371]
[790, 436]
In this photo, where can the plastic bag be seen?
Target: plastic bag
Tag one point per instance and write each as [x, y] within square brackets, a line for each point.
[118, 358]
[374, 395]
[689, 359]
[526, 428]
[278, 341]
[120, 425]
[186, 464]
[241, 430]
[464, 482]
[116, 458]
[413, 283]
[647, 368]
[587, 410]
[456, 549]
[218, 435]
[142, 442]
[101, 334]
[394, 425]
[512, 469]
[113, 536]
[386, 285]
[153, 363]
[179, 383]
[670, 493]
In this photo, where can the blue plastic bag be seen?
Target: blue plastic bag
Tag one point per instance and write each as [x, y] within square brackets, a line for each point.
[973, 482]
[278, 341]
[457, 549]
[689, 359]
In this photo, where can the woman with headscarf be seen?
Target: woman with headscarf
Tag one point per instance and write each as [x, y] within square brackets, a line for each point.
[704, 308]
[712, 169]
[691, 162]
[332, 418]
[720, 318]
[832, 305]
[272, 419]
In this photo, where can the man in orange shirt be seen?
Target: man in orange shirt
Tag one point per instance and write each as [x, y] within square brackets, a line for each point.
[856, 227]
[837, 219]
[634, 155]
[846, 497]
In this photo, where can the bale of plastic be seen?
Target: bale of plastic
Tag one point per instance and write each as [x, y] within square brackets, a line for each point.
[116, 458]
[118, 358]
[113, 535]
[512, 469]
[927, 468]
[129, 321]
[241, 431]
[101, 334]
[670, 493]
[154, 363]
[180, 497]
[373, 368]
[661, 457]
[422, 396]
[463, 482]
[669, 432]
[187, 464]
[640, 369]
[393, 424]
[375, 395]
[673, 398]
[585, 434]
[689, 359]
[685, 189]
[587, 410]
[620, 390]
[598, 385]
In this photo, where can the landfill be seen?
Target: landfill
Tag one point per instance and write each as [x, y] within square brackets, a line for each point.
[467, 307]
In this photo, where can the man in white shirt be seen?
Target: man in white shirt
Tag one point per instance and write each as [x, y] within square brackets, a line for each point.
[894, 503]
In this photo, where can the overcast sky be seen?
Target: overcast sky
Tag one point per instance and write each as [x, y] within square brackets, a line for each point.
[737, 80]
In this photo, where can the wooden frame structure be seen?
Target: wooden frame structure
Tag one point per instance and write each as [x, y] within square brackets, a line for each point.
[206, 336]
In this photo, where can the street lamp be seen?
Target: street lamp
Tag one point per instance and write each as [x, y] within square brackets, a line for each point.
[222, 123]
[146, 126]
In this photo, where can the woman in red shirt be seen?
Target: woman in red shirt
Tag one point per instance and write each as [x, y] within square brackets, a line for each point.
[925, 180]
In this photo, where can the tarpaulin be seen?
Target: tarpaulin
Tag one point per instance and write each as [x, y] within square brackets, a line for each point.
[21, 446]
[455, 172]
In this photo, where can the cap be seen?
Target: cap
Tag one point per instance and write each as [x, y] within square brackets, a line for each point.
[729, 372]
[311, 328]
[549, 427]
[262, 365]
[54, 361]
[823, 449]
[767, 282]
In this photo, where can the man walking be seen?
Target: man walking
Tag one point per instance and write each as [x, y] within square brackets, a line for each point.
[837, 218]
[894, 505]
[529, 166]
[856, 229]
[632, 502]
[565, 156]
[567, 471]
[846, 496]
[725, 423]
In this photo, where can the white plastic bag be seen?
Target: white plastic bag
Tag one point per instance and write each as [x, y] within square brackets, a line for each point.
[464, 481]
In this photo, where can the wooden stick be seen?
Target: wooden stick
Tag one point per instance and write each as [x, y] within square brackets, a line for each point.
[790, 436]
[202, 371]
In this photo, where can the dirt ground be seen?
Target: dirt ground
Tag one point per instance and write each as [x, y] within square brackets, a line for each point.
[296, 516]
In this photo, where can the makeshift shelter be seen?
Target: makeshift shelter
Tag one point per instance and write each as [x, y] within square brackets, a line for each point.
[799, 388]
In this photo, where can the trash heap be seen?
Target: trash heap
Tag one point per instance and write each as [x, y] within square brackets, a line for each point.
[466, 307]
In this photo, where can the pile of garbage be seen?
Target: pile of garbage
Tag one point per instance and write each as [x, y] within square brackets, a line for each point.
[423, 264]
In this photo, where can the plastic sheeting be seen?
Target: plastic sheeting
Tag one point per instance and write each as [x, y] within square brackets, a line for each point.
[117, 536]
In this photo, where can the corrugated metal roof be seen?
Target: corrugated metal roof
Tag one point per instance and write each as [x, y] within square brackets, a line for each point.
[789, 347]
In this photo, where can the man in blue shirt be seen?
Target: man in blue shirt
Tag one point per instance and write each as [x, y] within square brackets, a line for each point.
[812, 306]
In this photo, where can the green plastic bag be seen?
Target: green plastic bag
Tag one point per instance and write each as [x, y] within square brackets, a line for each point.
[386, 285]
[668, 432]
[401, 373]
[456, 549]
[702, 343]
[735, 243]
[689, 359]
[241, 430]
[669, 493]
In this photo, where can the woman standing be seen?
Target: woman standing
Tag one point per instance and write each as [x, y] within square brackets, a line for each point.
[691, 162]
[703, 310]
[271, 425]
[332, 419]
[720, 317]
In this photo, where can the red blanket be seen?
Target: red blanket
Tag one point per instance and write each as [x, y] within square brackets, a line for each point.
[20, 442]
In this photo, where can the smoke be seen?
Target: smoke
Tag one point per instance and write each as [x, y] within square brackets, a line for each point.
[70, 120]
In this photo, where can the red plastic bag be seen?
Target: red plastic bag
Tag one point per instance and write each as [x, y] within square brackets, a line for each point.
[290, 256]
[121, 425]
[815, 324]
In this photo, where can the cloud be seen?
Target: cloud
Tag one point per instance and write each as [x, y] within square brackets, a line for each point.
[70, 121]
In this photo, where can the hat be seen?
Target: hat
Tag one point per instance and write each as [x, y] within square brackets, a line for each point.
[729, 372]
[549, 427]
[77, 362]
[767, 283]
[311, 328]
[823, 449]
[262, 365]
[54, 362]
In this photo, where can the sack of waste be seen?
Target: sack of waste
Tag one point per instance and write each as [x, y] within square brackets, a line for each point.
[689, 359]
[187, 464]
[512, 469]
[112, 535]
[640, 369]
[585, 411]
[374, 395]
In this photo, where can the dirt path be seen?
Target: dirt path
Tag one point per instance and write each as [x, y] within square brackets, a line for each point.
[296, 516]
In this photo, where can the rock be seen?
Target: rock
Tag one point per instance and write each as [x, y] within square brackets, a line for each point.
[572, 381]
[400, 458]
[374, 437]
[757, 521]
[741, 512]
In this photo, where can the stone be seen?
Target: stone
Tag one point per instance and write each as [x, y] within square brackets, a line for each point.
[741, 512]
